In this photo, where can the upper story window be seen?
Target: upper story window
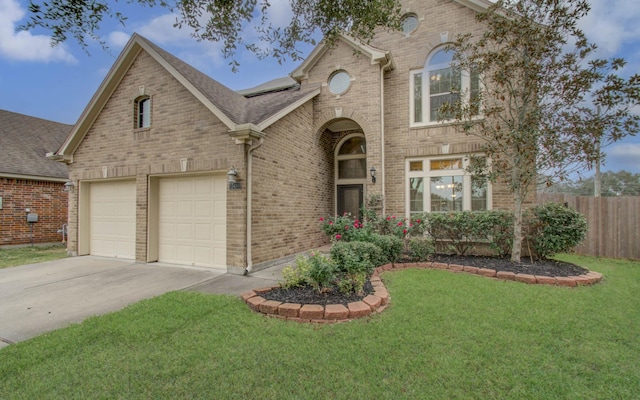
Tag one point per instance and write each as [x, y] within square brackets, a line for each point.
[437, 84]
[339, 82]
[143, 112]
[409, 23]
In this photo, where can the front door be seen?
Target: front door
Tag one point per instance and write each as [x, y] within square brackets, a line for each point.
[350, 200]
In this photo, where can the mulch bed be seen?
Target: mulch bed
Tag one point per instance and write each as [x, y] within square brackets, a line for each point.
[539, 267]
[307, 295]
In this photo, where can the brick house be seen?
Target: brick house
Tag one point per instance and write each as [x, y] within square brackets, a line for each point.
[29, 182]
[171, 166]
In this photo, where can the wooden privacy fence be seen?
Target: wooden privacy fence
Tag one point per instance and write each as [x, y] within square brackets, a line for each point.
[614, 224]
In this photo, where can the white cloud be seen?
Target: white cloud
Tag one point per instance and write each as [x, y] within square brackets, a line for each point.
[612, 24]
[118, 39]
[624, 157]
[23, 45]
[160, 30]
[280, 13]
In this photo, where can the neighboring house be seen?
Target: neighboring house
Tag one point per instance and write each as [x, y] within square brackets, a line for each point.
[171, 166]
[31, 184]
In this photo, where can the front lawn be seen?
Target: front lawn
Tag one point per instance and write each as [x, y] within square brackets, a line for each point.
[12, 257]
[444, 336]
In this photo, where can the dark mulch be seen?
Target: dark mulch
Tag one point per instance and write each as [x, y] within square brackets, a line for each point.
[307, 295]
[538, 267]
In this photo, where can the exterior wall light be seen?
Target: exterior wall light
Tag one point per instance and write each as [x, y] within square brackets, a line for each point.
[68, 186]
[372, 171]
[232, 175]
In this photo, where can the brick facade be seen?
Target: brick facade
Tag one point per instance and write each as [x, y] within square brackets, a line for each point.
[47, 199]
[293, 179]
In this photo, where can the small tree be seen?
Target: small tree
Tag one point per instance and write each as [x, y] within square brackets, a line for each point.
[535, 74]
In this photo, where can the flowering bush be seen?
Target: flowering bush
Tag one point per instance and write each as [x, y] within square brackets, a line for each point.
[344, 228]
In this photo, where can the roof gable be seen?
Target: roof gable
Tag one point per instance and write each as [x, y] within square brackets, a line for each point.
[376, 56]
[230, 107]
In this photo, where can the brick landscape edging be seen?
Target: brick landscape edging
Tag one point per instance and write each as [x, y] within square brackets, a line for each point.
[378, 301]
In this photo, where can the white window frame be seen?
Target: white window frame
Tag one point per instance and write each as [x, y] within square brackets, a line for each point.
[426, 173]
[143, 121]
[465, 90]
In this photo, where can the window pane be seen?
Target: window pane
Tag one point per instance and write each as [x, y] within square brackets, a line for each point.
[339, 82]
[417, 98]
[416, 195]
[415, 166]
[409, 23]
[441, 57]
[474, 91]
[355, 145]
[446, 193]
[144, 113]
[478, 194]
[444, 80]
[437, 102]
[449, 164]
[352, 169]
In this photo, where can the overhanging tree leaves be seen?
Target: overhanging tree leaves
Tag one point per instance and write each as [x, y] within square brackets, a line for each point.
[537, 73]
[227, 21]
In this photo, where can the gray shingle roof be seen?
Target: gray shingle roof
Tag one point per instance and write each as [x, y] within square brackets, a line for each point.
[238, 108]
[25, 141]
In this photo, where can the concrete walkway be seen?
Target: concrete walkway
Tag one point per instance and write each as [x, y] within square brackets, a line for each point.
[39, 298]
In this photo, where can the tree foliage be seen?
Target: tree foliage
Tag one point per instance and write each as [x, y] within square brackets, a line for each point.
[621, 183]
[227, 21]
[538, 75]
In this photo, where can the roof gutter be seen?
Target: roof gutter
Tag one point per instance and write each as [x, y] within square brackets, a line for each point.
[387, 67]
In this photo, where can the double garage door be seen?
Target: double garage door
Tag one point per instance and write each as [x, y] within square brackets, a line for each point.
[190, 220]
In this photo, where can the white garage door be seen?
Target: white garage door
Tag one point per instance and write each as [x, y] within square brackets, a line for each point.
[193, 221]
[112, 220]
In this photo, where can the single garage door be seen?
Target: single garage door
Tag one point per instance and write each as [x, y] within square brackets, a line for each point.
[112, 220]
[192, 225]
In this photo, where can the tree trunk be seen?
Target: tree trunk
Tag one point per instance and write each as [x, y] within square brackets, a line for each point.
[516, 248]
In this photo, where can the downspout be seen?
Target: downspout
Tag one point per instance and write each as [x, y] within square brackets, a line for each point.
[250, 151]
[384, 68]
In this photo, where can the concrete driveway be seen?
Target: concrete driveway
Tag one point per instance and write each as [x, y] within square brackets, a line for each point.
[38, 298]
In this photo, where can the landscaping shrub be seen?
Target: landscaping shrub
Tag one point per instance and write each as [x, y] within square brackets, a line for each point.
[420, 249]
[459, 229]
[297, 276]
[554, 228]
[391, 247]
[498, 226]
[344, 228]
[356, 257]
[322, 271]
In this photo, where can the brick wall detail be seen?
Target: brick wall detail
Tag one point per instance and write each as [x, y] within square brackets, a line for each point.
[47, 199]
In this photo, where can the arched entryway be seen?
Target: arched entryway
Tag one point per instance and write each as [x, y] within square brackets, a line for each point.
[350, 174]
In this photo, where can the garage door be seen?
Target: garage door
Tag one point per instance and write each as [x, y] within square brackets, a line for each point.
[112, 219]
[192, 226]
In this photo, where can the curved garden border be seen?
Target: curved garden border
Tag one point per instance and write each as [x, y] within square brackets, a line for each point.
[378, 301]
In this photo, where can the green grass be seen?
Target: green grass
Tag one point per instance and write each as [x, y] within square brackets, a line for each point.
[444, 336]
[12, 257]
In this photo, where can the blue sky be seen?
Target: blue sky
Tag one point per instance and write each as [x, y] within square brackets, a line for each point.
[57, 83]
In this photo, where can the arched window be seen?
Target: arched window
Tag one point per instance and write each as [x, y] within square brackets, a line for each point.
[143, 112]
[437, 84]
